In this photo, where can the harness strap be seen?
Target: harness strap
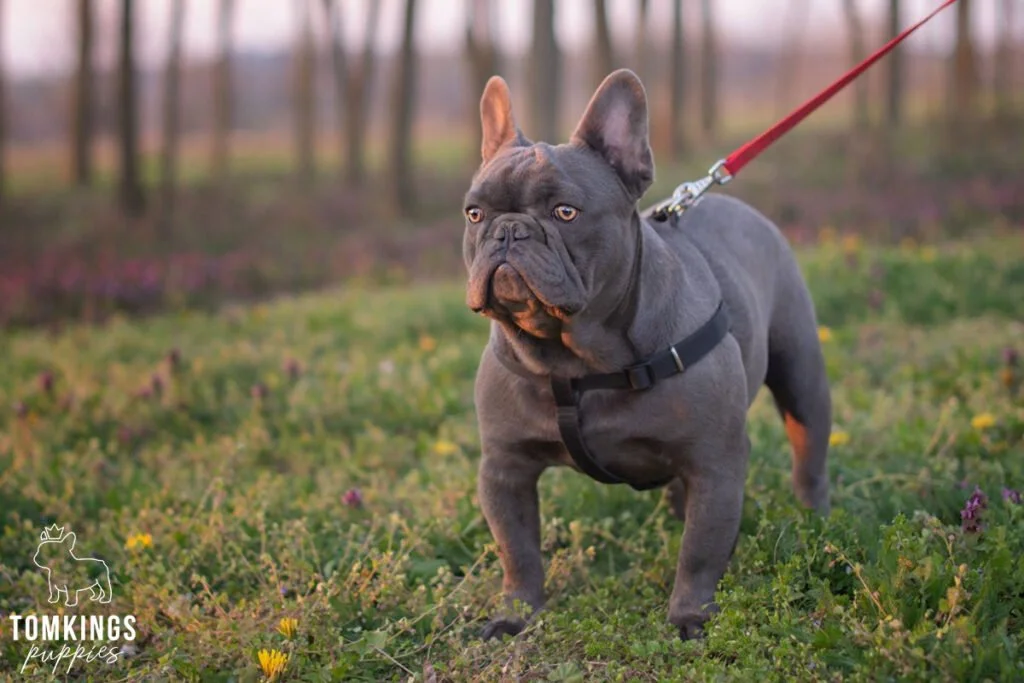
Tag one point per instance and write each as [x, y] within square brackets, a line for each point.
[671, 361]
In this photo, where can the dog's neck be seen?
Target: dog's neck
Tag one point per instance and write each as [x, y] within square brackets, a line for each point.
[648, 315]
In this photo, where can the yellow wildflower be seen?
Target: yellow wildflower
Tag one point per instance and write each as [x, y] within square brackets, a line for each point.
[983, 421]
[851, 244]
[445, 447]
[288, 627]
[824, 334]
[928, 254]
[839, 438]
[272, 662]
[427, 343]
[139, 541]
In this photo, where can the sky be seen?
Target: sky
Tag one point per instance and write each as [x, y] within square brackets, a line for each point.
[37, 35]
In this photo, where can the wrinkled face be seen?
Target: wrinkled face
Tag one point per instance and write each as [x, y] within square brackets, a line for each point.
[546, 226]
[540, 223]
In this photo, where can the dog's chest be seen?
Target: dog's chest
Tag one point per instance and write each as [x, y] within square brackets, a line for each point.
[634, 435]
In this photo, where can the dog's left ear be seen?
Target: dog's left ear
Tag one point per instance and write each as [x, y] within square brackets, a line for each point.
[615, 125]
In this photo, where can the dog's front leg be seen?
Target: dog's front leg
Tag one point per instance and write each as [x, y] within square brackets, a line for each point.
[507, 486]
[714, 506]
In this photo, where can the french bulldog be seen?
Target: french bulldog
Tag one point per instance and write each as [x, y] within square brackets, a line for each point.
[577, 281]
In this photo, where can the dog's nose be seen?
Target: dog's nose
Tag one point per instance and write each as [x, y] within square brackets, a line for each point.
[511, 229]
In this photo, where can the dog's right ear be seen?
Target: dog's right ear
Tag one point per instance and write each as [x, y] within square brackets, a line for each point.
[499, 126]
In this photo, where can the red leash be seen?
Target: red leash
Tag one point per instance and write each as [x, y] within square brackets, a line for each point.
[723, 171]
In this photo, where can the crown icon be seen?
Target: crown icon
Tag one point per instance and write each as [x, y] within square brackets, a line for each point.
[52, 533]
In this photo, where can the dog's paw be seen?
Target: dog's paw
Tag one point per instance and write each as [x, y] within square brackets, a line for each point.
[496, 628]
[691, 629]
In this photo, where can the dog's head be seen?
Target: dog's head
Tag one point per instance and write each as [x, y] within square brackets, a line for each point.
[550, 228]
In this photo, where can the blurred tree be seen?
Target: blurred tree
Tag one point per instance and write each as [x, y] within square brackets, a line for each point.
[352, 87]
[3, 105]
[677, 91]
[604, 50]
[894, 96]
[223, 96]
[545, 71]
[642, 40]
[172, 87]
[855, 34]
[132, 200]
[964, 72]
[790, 54]
[402, 110]
[82, 106]
[305, 101]
[481, 58]
[1002, 72]
[709, 71]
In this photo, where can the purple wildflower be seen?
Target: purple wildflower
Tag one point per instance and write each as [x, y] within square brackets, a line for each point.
[125, 435]
[353, 498]
[970, 520]
[1011, 496]
[20, 409]
[293, 369]
[1010, 356]
[259, 390]
[876, 299]
[46, 382]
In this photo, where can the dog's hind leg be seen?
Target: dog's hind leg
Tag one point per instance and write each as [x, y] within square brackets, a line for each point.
[675, 496]
[798, 382]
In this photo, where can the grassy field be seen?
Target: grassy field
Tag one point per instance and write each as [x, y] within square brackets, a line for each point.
[299, 477]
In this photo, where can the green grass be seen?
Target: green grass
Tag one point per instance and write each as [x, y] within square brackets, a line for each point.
[237, 466]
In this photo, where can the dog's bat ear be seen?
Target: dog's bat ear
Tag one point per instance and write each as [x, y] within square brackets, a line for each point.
[615, 126]
[499, 126]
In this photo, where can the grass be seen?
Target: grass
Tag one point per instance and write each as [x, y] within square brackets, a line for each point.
[289, 488]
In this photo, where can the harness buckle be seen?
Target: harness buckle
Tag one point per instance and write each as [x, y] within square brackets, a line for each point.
[640, 377]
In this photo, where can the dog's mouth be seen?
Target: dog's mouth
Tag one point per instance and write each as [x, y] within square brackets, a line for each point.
[505, 295]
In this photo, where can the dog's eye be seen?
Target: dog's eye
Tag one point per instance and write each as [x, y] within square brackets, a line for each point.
[474, 214]
[566, 213]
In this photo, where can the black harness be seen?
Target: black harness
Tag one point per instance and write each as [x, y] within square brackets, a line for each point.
[662, 365]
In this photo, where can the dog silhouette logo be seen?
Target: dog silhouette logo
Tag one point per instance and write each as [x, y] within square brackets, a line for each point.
[52, 556]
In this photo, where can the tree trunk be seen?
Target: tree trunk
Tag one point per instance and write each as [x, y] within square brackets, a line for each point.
[172, 86]
[357, 99]
[82, 107]
[1002, 73]
[305, 123]
[222, 94]
[790, 53]
[709, 71]
[3, 107]
[604, 50]
[481, 58]
[965, 68]
[132, 201]
[545, 73]
[894, 96]
[855, 29]
[339, 68]
[403, 112]
[642, 40]
[677, 97]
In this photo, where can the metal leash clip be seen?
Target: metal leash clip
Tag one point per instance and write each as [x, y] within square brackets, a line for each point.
[689, 193]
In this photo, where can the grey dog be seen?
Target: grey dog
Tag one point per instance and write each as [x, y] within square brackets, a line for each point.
[577, 281]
